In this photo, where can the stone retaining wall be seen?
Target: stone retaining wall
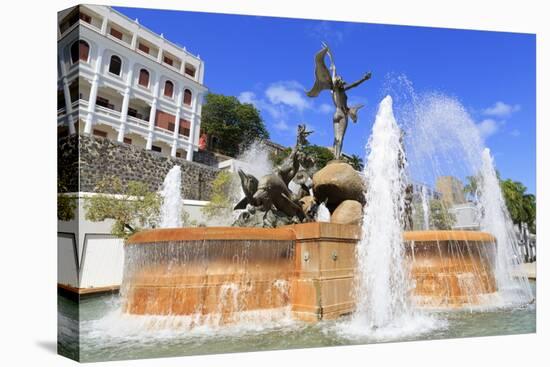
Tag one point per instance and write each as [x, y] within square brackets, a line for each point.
[100, 158]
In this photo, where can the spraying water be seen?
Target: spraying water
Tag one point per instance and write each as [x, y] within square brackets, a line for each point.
[443, 139]
[425, 208]
[513, 285]
[255, 160]
[383, 283]
[172, 202]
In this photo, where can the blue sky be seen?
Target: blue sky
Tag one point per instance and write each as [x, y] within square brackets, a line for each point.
[269, 62]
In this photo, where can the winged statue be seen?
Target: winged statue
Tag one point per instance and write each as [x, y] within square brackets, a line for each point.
[326, 79]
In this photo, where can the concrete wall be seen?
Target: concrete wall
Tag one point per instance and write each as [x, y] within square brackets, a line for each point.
[88, 256]
[466, 216]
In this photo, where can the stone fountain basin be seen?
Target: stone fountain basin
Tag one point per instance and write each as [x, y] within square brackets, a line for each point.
[307, 267]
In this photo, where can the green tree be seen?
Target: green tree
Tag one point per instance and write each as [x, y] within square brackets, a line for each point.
[440, 217]
[356, 162]
[530, 207]
[66, 204]
[521, 206]
[321, 155]
[278, 158]
[472, 186]
[224, 197]
[234, 124]
[136, 207]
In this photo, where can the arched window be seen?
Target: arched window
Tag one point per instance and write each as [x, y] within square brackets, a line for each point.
[144, 78]
[115, 65]
[187, 97]
[80, 50]
[168, 89]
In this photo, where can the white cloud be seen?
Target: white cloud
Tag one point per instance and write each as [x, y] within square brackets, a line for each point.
[262, 105]
[515, 133]
[281, 126]
[325, 108]
[288, 93]
[247, 97]
[281, 102]
[487, 127]
[501, 109]
[325, 31]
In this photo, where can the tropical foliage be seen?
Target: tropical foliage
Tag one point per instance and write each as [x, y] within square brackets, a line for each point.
[224, 197]
[356, 162]
[134, 209]
[440, 217]
[321, 155]
[66, 206]
[472, 186]
[521, 206]
[235, 125]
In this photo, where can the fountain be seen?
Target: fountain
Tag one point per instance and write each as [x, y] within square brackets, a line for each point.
[172, 203]
[382, 276]
[333, 245]
[514, 287]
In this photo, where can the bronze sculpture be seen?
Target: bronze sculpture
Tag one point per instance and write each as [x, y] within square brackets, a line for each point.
[268, 201]
[338, 87]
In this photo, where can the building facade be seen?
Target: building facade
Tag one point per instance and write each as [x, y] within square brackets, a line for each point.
[121, 81]
[451, 189]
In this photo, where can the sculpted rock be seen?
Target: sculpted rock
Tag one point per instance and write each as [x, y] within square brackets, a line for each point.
[337, 182]
[348, 212]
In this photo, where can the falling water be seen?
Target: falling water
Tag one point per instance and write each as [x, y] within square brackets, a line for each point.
[172, 202]
[425, 208]
[230, 274]
[383, 284]
[323, 214]
[513, 285]
[441, 139]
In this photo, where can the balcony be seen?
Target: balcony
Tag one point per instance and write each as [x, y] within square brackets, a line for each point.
[138, 122]
[111, 117]
[107, 112]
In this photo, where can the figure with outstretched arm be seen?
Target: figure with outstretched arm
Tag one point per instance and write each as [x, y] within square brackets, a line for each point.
[324, 79]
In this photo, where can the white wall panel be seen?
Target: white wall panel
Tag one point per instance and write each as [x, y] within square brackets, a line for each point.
[67, 267]
[103, 261]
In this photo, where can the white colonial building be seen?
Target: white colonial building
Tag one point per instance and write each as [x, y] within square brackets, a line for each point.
[119, 80]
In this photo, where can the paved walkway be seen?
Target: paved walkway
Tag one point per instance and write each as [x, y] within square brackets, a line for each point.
[530, 269]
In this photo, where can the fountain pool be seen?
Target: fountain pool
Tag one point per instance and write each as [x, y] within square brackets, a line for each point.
[93, 320]
[227, 289]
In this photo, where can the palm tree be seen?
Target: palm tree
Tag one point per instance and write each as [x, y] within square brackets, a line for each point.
[521, 206]
[356, 162]
[472, 186]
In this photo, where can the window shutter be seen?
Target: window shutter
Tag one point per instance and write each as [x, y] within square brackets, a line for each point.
[187, 97]
[143, 78]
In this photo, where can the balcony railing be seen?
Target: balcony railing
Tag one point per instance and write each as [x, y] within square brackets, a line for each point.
[138, 122]
[164, 131]
[152, 57]
[112, 117]
[107, 111]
